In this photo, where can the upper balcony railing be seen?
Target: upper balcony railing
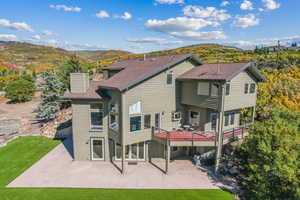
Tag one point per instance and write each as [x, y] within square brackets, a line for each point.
[198, 136]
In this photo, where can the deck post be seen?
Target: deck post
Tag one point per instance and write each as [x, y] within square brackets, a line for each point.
[253, 113]
[167, 157]
[220, 129]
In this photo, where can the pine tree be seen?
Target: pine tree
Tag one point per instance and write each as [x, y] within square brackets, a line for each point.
[52, 89]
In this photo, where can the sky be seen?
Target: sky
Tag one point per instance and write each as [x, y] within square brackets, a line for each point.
[148, 25]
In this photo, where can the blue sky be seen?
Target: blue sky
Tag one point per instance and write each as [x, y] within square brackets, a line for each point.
[147, 25]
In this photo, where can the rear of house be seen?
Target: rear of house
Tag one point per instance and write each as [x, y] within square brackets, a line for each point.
[160, 107]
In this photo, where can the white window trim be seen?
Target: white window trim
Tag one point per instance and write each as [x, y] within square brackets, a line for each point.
[96, 127]
[91, 146]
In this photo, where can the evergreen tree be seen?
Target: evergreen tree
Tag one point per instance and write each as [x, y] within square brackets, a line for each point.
[52, 89]
[70, 66]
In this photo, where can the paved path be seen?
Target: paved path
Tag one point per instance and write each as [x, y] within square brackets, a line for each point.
[57, 169]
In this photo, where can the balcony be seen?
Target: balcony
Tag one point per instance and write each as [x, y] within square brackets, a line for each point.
[197, 138]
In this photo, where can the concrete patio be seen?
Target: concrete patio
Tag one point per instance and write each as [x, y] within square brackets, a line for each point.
[57, 169]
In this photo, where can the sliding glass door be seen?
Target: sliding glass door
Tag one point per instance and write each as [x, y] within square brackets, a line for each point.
[132, 152]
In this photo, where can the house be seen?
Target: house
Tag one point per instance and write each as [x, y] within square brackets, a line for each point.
[159, 107]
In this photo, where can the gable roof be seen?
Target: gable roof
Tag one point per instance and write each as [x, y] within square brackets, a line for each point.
[134, 71]
[220, 71]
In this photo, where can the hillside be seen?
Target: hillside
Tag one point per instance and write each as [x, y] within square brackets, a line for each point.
[29, 55]
[100, 54]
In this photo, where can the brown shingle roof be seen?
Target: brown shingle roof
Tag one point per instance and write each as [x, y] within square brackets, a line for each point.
[221, 71]
[136, 70]
[90, 94]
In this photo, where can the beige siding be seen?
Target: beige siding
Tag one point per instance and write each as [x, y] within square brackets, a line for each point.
[237, 99]
[82, 133]
[190, 96]
[156, 97]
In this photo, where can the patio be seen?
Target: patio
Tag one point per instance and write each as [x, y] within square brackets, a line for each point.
[57, 169]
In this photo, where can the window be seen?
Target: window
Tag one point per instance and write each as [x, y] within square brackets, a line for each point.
[174, 148]
[252, 88]
[226, 123]
[96, 113]
[227, 89]
[203, 88]
[214, 89]
[246, 88]
[135, 123]
[231, 118]
[135, 108]
[113, 121]
[147, 121]
[213, 120]
[169, 78]
[194, 118]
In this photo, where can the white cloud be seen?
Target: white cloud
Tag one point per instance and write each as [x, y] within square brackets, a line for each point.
[271, 4]
[246, 5]
[246, 21]
[102, 14]
[48, 33]
[169, 1]
[225, 3]
[199, 36]
[66, 8]
[185, 28]
[178, 24]
[9, 37]
[208, 12]
[36, 37]
[126, 15]
[153, 40]
[16, 25]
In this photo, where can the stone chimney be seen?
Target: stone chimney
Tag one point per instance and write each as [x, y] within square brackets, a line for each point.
[80, 82]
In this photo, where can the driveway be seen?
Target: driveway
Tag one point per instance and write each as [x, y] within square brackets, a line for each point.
[57, 169]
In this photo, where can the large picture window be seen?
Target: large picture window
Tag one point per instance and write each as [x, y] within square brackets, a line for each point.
[96, 114]
[135, 123]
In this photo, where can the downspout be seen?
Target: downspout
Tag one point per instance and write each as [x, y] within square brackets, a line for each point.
[220, 130]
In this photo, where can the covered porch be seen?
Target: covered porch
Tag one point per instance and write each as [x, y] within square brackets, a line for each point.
[193, 140]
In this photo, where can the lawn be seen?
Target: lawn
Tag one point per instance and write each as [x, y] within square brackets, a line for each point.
[21, 153]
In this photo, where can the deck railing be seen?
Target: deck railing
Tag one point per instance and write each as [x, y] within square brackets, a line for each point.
[194, 136]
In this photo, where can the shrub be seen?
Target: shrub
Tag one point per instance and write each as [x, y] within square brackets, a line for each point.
[20, 90]
[271, 153]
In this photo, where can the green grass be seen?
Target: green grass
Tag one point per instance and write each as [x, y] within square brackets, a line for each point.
[21, 153]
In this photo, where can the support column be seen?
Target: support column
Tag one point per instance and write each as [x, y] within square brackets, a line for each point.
[123, 158]
[220, 129]
[167, 157]
[253, 113]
